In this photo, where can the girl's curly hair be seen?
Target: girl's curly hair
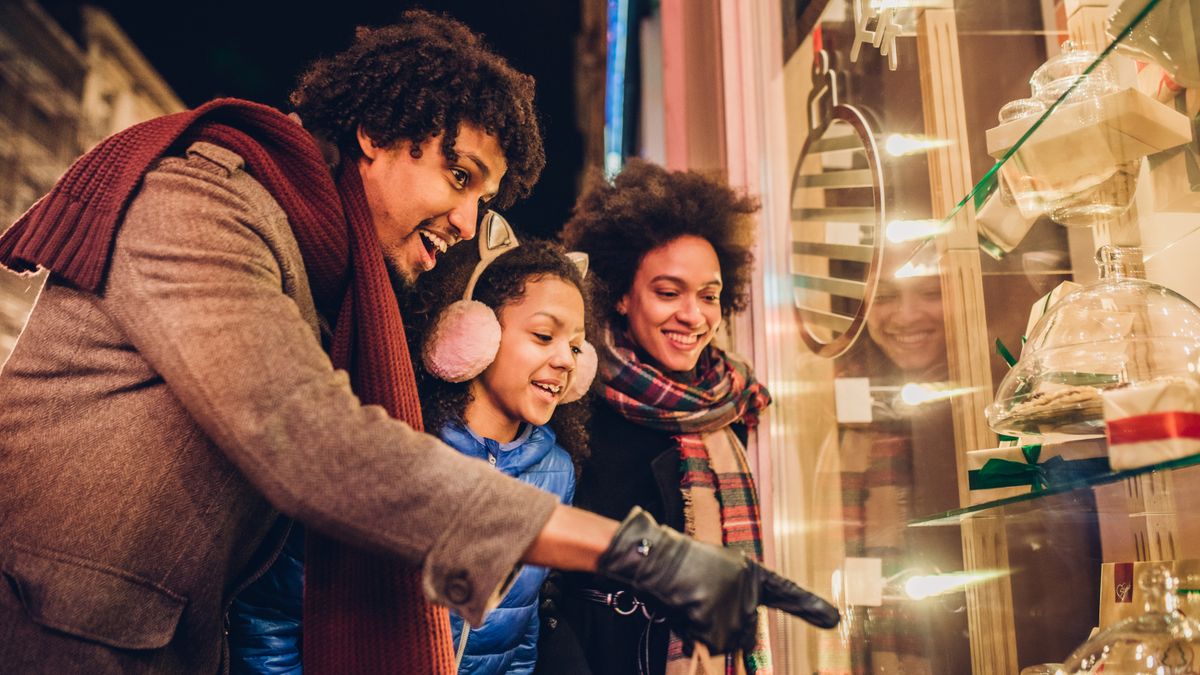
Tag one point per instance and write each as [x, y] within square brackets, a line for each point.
[617, 223]
[423, 76]
[502, 283]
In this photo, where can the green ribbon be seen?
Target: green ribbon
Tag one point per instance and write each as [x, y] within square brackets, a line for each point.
[997, 473]
[1005, 354]
[1000, 473]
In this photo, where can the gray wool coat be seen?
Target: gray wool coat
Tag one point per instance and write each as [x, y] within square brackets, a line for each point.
[151, 438]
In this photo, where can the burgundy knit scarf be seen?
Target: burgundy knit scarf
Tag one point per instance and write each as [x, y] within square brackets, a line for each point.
[362, 613]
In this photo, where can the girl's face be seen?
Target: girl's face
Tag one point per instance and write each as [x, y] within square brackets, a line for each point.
[674, 303]
[541, 334]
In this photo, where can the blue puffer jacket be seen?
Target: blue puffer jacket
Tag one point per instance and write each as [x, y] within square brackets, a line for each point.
[507, 640]
[264, 620]
[264, 626]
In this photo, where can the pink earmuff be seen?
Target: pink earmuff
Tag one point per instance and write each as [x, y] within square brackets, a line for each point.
[463, 342]
[466, 335]
[585, 372]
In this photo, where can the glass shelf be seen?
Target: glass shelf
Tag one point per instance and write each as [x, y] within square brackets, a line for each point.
[956, 516]
[1030, 564]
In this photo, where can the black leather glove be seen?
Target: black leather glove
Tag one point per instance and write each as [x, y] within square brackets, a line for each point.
[711, 593]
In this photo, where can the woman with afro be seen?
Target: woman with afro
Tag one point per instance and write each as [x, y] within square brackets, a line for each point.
[670, 254]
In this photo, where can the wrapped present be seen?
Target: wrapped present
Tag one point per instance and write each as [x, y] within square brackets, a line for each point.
[998, 473]
[1154, 422]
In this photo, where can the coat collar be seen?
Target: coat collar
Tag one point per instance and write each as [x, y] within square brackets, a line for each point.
[513, 458]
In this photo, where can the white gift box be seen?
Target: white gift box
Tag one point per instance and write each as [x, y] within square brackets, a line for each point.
[1153, 422]
[1083, 448]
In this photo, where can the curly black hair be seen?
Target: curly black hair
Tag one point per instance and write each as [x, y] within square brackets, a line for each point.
[617, 223]
[423, 76]
[502, 282]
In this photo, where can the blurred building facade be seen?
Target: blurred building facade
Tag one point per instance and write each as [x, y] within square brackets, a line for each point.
[60, 94]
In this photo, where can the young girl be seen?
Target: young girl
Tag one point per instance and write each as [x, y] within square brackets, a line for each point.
[535, 291]
[501, 336]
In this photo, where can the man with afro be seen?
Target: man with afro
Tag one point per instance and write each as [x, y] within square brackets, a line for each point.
[219, 353]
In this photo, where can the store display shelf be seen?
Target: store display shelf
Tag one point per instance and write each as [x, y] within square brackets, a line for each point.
[1010, 139]
[956, 516]
[988, 183]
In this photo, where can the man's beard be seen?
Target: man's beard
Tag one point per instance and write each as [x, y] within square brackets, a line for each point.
[402, 280]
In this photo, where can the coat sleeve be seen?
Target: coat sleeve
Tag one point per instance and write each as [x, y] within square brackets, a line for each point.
[196, 285]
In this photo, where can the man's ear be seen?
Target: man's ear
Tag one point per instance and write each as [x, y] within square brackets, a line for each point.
[622, 304]
[366, 145]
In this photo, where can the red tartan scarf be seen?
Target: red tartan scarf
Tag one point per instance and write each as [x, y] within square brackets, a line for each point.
[362, 613]
[719, 496]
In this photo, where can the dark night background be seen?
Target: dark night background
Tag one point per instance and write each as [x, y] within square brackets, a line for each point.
[255, 50]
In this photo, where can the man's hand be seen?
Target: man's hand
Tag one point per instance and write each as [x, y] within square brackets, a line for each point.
[712, 594]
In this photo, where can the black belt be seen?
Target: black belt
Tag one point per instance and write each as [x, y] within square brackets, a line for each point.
[624, 603]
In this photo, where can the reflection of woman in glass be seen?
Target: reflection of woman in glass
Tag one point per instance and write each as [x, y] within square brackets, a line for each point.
[906, 324]
[898, 466]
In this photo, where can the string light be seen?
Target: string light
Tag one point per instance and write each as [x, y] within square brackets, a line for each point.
[915, 394]
[923, 586]
[900, 145]
[899, 231]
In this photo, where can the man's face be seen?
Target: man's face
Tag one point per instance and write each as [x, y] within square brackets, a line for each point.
[424, 205]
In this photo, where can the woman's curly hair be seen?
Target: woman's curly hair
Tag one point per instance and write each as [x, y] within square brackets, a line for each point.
[617, 223]
[423, 76]
[502, 282]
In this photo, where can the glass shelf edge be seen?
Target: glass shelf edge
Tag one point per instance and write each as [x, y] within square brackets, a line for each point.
[956, 516]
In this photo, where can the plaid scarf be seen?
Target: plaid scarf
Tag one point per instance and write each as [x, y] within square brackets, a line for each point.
[720, 500]
[363, 613]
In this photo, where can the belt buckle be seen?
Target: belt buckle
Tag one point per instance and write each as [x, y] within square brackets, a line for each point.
[614, 601]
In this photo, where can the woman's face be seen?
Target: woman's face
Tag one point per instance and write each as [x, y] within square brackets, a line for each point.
[906, 322]
[674, 303]
[540, 337]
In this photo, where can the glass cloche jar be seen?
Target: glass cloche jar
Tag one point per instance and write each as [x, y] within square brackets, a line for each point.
[1067, 170]
[1118, 331]
[1160, 641]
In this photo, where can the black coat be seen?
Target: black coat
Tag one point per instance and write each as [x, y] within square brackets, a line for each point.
[630, 465]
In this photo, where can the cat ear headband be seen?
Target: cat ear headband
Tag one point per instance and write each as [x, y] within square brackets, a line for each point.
[466, 335]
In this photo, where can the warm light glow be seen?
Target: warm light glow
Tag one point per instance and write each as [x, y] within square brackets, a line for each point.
[911, 269]
[912, 230]
[924, 586]
[899, 145]
[915, 393]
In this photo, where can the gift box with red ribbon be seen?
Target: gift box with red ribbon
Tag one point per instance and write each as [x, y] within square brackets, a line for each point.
[1153, 422]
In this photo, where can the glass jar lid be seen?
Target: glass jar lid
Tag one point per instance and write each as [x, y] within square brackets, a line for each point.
[1060, 72]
